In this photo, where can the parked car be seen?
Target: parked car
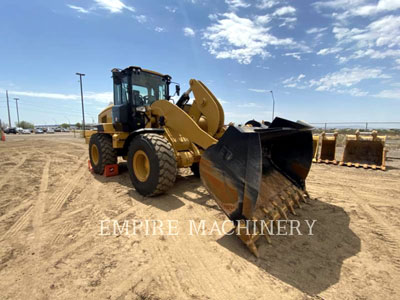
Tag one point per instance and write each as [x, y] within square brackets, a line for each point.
[39, 131]
[11, 130]
[26, 131]
[19, 129]
[58, 129]
[50, 130]
[64, 130]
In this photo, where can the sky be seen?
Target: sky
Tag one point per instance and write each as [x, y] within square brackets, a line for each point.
[325, 61]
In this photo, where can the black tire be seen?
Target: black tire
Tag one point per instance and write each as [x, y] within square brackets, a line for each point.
[195, 169]
[162, 161]
[106, 153]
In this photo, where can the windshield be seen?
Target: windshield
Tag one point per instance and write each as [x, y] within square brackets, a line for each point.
[147, 88]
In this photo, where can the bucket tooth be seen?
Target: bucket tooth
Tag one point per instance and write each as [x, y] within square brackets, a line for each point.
[295, 197]
[302, 197]
[281, 211]
[265, 225]
[248, 238]
[288, 205]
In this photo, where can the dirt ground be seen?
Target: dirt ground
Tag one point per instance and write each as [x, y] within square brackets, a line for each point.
[51, 248]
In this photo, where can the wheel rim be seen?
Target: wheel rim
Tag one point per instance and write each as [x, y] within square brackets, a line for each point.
[95, 154]
[141, 165]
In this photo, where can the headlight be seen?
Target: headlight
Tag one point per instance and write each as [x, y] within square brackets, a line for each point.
[141, 108]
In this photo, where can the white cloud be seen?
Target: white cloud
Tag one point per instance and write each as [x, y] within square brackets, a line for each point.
[101, 97]
[264, 19]
[288, 22]
[327, 51]
[141, 19]
[375, 54]
[249, 104]
[159, 29]
[263, 4]
[114, 6]
[79, 9]
[342, 81]
[389, 94]
[293, 82]
[383, 32]
[316, 30]
[345, 78]
[259, 90]
[345, 9]
[235, 4]
[285, 10]
[295, 55]
[223, 41]
[171, 9]
[378, 40]
[187, 31]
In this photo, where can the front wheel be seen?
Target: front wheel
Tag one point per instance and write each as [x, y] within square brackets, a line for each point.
[101, 152]
[151, 164]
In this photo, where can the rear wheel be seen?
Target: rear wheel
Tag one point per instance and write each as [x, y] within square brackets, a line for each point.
[151, 164]
[101, 152]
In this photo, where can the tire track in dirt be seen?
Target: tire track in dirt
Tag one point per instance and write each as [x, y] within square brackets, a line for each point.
[210, 266]
[8, 176]
[59, 237]
[61, 198]
[380, 227]
[15, 210]
[36, 208]
[21, 222]
[41, 199]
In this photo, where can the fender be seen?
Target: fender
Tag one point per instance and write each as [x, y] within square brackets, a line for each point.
[133, 134]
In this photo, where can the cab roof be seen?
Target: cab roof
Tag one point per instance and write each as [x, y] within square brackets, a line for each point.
[136, 68]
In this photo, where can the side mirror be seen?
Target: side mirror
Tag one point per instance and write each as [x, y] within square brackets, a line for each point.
[177, 89]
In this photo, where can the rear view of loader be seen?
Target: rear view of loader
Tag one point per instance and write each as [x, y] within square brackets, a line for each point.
[365, 149]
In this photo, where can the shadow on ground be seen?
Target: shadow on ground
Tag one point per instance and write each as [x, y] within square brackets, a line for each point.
[309, 263]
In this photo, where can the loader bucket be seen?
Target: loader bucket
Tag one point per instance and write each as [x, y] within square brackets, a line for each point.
[257, 174]
[315, 147]
[365, 149]
[328, 148]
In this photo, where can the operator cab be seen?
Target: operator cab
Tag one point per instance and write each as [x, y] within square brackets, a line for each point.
[134, 89]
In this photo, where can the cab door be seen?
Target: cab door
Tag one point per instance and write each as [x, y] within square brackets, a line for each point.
[122, 111]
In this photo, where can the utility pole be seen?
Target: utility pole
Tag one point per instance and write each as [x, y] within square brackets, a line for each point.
[16, 103]
[273, 104]
[83, 109]
[8, 107]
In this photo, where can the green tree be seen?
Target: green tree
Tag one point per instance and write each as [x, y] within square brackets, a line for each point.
[25, 125]
[78, 125]
[64, 125]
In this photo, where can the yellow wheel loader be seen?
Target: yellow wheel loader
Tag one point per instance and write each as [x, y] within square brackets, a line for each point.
[256, 172]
